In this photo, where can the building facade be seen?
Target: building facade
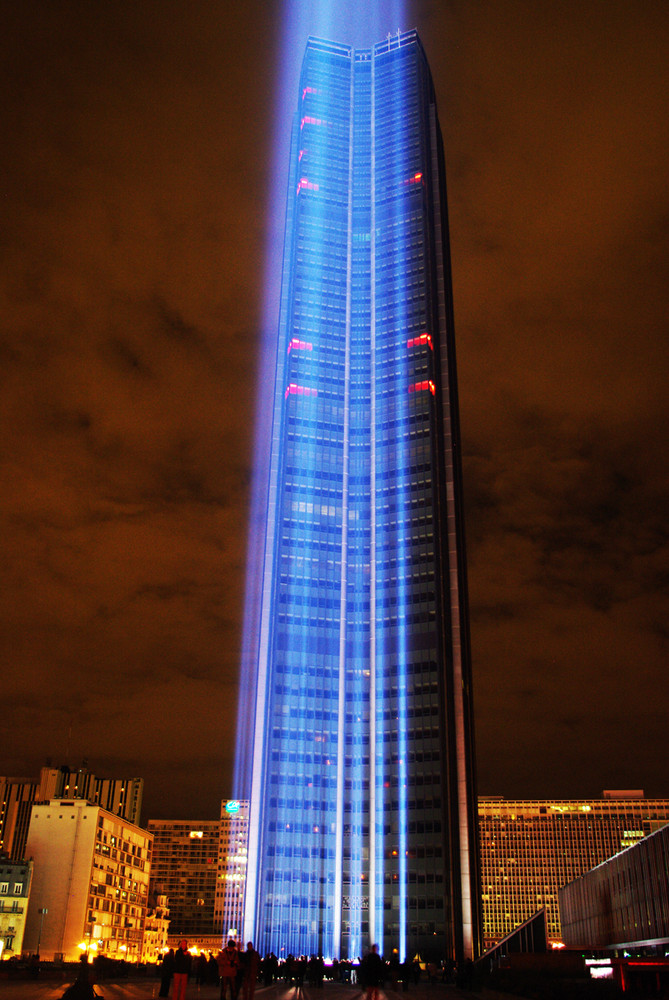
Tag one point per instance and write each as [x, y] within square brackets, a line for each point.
[15, 882]
[232, 863]
[530, 848]
[623, 904]
[122, 796]
[184, 868]
[360, 752]
[17, 796]
[90, 882]
[156, 929]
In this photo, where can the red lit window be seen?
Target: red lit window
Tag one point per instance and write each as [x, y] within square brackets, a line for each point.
[414, 179]
[308, 120]
[424, 338]
[299, 345]
[308, 90]
[428, 384]
[303, 184]
[300, 390]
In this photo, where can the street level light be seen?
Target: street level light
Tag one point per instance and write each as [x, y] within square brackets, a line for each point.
[42, 913]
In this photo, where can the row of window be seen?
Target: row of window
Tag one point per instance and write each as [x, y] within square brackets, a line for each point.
[4, 888]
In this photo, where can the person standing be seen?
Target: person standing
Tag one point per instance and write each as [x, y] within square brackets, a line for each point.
[182, 964]
[251, 970]
[166, 972]
[228, 965]
[82, 989]
[371, 972]
[212, 970]
[201, 969]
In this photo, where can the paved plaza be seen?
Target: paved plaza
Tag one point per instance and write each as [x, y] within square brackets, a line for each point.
[147, 989]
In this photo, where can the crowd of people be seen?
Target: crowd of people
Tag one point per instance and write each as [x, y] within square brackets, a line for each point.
[236, 970]
[239, 971]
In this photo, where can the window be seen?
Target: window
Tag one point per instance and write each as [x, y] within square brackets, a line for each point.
[18, 888]
[4, 888]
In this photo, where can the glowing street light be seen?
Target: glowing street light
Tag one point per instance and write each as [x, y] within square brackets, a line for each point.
[43, 910]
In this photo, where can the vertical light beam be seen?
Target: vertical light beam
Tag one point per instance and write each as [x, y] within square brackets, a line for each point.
[354, 736]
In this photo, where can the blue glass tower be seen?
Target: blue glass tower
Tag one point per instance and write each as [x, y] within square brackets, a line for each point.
[358, 725]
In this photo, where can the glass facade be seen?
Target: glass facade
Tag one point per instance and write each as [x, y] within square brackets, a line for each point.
[622, 903]
[362, 813]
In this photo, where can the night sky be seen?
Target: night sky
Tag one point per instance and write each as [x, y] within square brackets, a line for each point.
[139, 205]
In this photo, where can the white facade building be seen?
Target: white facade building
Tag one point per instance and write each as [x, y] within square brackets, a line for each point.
[91, 877]
[15, 879]
[156, 927]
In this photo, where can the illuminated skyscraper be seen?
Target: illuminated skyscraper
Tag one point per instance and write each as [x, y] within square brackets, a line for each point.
[360, 748]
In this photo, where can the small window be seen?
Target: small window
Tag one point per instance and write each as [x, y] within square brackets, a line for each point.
[4, 888]
[18, 888]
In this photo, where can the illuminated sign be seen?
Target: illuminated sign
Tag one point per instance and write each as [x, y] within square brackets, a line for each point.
[232, 806]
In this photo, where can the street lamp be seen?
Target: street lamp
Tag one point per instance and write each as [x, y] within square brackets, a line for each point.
[42, 913]
[89, 935]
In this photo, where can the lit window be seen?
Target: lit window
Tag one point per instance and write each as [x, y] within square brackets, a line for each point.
[424, 338]
[299, 345]
[300, 390]
[424, 386]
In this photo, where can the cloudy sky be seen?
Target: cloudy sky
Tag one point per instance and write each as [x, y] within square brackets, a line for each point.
[140, 189]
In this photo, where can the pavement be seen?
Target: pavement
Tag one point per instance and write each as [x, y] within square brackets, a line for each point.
[147, 989]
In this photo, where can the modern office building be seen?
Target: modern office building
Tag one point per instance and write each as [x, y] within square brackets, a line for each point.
[530, 848]
[199, 868]
[184, 868]
[622, 905]
[360, 765]
[90, 883]
[17, 796]
[15, 882]
[232, 862]
[121, 796]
